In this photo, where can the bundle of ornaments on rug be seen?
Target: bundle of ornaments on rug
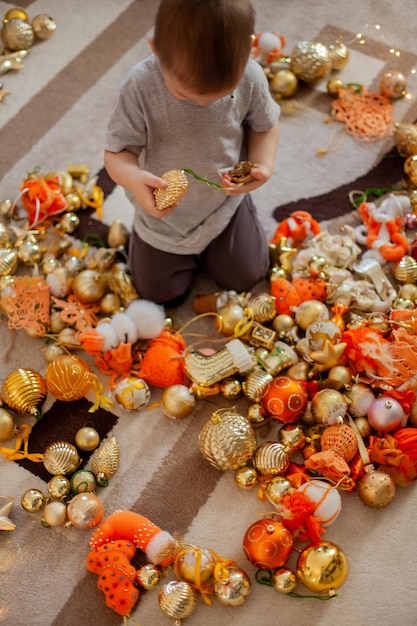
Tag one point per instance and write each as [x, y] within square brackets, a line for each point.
[327, 352]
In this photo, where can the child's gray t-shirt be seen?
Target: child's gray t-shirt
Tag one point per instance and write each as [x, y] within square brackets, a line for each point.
[169, 133]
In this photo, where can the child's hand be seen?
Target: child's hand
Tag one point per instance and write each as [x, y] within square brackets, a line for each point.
[143, 190]
[260, 174]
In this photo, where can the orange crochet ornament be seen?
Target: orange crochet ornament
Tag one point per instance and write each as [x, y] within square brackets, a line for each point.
[162, 364]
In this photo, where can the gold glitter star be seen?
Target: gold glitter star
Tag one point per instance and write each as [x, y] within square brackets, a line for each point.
[329, 356]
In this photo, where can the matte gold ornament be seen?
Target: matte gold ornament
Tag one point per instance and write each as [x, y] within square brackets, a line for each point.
[227, 440]
[148, 576]
[87, 438]
[334, 85]
[339, 55]
[310, 311]
[177, 402]
[105, 461]
[234, 588]
[393, 85]
[43, 26]
[322, 567]
[284, 580]
[282, 324]
[61, 458]
[55, 514]
[284, 82]
[310, 61]
[17, 34]
[246, 477]
[271, 458]
[176, 189]
[24, 391]
[376, 489]
[405, 136]
[110, 304]
[59, 487]
[33, 500]
[118, 234]
[89, 286]
[177, 599]
[7, 425]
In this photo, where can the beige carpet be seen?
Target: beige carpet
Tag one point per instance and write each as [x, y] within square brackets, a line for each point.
[55, 115]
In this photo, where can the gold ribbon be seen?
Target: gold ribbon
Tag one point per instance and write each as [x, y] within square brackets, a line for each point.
[97, 201]
[243, 326]
[22, 436]
[101, 400]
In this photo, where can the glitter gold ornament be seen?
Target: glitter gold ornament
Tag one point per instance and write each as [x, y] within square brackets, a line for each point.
[82, 480]
[376, 489]
[234, 587]
[410, 170]
[176, 189]
[17, 34]
[68, 377]
[271, 458]
[177, 401]
[24, 391]
[322, 567]
[310, 61]
[7, 425]
[177, 599]
[105, 461]
[61, 458]
[267, 544]
[227, 440]
[405, 136]
[43, 26]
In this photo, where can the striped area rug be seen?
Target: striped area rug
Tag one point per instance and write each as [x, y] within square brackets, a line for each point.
[56, 115]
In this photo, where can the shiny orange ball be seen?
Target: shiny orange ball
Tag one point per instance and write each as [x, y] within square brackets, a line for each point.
[68, 377]
[284, 399]
[267, 544]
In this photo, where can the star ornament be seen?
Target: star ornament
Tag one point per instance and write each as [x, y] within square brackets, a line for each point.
[5, 522]
[329, 356]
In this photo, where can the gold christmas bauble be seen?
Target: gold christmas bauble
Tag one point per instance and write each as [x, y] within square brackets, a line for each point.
[195, 566]
[85, 510]
[405, 136]
[282, 323]
[410, 170]
[148, 576]
[230, 388]
[246, 477]
[7, 425]
[257, 415]
[310, 61]
[24, 391]
[376, 489]
[17, 34]
[177, 599]
[43, 26]
[15, 13]
[234, 588]
[284, 580]
[87, 438]
[83, 480]
[228, 316]
[68, 377]
[55, 514]
[227, 440]
[340, 374]
[284, 82]
[292, 436]
[405, 270]
[339, 55]
[334, 85]
[328, 407]
[8, 261]
[277, 487]
[271, 458]
[322, 567]
[177, 402]
[59, 487]
[118, 234]
[310, 311]
[393, 85]
[89, 286]
[61, 458]
[33, 500]
[363, 426]
[110, 304]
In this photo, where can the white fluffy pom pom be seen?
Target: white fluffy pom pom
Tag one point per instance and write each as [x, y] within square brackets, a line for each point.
[148, 317]
[111, 340]
[125, 328]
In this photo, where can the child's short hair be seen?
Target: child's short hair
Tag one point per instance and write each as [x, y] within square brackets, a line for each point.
[205, 43]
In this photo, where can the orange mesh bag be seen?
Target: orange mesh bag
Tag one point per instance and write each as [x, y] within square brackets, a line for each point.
[342, 439]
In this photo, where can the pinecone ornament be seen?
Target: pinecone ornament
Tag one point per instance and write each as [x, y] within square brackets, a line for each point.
[176, 189]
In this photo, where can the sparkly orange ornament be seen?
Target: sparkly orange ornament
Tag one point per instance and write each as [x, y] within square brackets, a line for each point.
[68, 377]
[284, 399]
[267, 544]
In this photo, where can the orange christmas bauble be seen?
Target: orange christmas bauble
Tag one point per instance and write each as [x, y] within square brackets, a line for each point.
[68, 377]
[284, 399]
[267, 544]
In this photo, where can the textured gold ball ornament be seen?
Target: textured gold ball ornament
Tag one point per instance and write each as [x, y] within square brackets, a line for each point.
[405, 136]
[85, 510]
[132, 393]
[376, 489]
[195, 566]
[284, 83]
[284, 580]
[148, 576]
[33, 500]
[322, 567]
[24, 391]
[105, 461]
[59, 487]
[227, 440]
[177, 402]
[87, 438]
[43, 26]
[177, 599]
[234, 589]
[68, 377]
[405, 270]
[271, 458]
[339, 55]
[393, 85]
[17, 34]
[310, 61]
[61, 458]
[410, 170]
[83, 480]
[246, 477]
[7, 425]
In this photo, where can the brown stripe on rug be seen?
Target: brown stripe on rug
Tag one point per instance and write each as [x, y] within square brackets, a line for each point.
[183, 466]
[20, 133]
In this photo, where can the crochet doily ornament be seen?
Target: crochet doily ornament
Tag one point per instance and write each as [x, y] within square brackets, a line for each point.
[342, 439]
[367, 116]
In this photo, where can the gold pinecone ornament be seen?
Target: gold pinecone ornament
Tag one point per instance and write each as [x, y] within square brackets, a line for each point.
[176, 189]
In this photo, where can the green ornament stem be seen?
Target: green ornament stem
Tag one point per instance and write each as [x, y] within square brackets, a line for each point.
[264, 577]
[374, 191]
[210, 183]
